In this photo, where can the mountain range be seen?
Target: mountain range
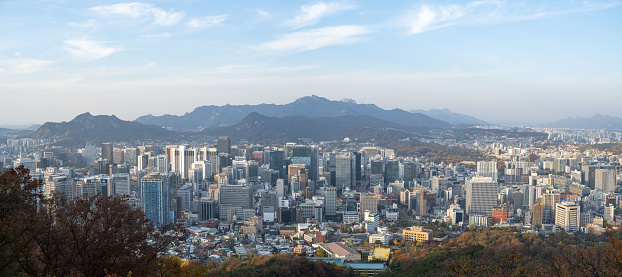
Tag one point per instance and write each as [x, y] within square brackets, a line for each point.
[257, 127]
[597, 121]
[310, 106]
[100, 128]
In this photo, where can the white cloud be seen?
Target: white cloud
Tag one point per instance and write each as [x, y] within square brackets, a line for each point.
[431, 17]
[23, 65]
[88, 24]
[140, 11]
[310, 14]
[316, 38]
[259, 68]
[89, 49]
[263, 14]
[207, 22]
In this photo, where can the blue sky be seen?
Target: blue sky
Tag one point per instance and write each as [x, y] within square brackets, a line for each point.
[520, 61]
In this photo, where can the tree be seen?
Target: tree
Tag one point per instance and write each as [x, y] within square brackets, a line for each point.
[321, 253]
[85, 236]
[19, 221]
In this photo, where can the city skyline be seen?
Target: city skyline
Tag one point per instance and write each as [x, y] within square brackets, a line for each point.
[495, 60]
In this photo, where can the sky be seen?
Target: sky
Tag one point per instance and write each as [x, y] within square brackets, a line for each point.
[500, 61]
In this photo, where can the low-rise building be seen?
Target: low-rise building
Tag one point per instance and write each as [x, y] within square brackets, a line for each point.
[417, 233]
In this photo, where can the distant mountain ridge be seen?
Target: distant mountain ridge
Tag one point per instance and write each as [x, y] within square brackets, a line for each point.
[451, 117]
[99, 128]
[597, 121]
[310, 106]
[257, 127]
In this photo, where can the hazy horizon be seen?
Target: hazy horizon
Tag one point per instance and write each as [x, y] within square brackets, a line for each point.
[499, 61]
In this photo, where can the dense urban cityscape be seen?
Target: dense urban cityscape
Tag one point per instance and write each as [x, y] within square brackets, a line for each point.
[346, 202]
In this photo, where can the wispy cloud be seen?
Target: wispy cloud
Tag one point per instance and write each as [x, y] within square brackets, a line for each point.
[20, 64]
[138, 10]
[316, 38]
[259, 68]
[207, 22]
[431, 17]
[162, 35]
[89, 50]
[310, 14]
[88, 24]
[263, 14]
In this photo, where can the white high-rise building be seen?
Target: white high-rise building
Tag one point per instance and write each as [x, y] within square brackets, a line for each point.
[568, 216]
[331, 201]
[481, 195]
[605, 179]
[487, 169]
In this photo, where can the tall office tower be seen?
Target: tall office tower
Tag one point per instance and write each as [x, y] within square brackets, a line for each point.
[481, 195]
[358, 166]
[162, 163]
[605, 179]
[90, 153]
[377, 167]
[276, 161]
[421, 206]
[131, 156]
[143, 162]
[207, 209]
[549, 200]
[280, 188]
[608, 214]
[118, 157]
[536, 214]
[224, 145]
[391, 171]
[309, 156]
[410, 173]
[252, 171]
[101, 166]
[59, 183]
[224, 161]
[369, 202]
[154, 195]
[121, 185]
[212, 156]
[331, 201]
[232, 196]
[289, 149]
[184, 197]
[107, 152]
[568, 216]
[487, 169]
[529, 196]
[344, 177]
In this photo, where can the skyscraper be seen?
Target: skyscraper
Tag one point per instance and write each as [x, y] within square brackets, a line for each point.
[344, 175]
[224, 145]
[276, 161]
[605, 179]
[391, 171]
[481, 195]
[331, 201]
[107, 152]
[155, 200]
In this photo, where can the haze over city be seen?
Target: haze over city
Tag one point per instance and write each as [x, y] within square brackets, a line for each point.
[500, 61]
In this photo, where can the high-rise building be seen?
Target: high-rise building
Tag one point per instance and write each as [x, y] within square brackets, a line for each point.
[377, 167]
[235, 196]
[207, 209]
[131, 156]
[410, 173]
[609, 213]
[481, 195]
[369, 202]
[155, 199]
[90, 153]
[549, 200]
[391, 171]
[276, 161]
[331, 201]
[344, 176]
[224, 145]
[536, 214]
[567, 216]
[605, 179]
[107, 152]
[487, 169]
